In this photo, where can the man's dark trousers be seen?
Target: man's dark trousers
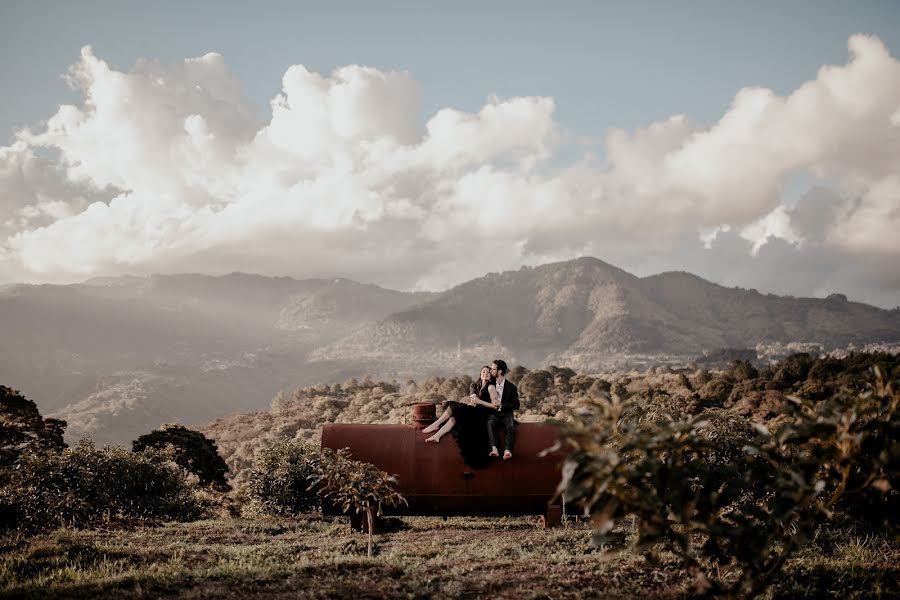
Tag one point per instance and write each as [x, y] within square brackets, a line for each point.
[505, 419]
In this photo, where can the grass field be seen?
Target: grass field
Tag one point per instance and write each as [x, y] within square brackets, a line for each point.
[417, 558]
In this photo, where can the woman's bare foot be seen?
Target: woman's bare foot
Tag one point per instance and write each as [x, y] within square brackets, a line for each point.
[431, 428]
[507, 455]
[433, 439]
[494, 451]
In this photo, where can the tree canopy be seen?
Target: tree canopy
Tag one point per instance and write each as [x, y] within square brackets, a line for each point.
[192, 451]
[22, 428]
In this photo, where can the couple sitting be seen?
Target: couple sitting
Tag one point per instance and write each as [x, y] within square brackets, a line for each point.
[474, 421]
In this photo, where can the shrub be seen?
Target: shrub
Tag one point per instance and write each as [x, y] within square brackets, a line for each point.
[191, 450]
[701, 377]
[535, 385]
[793, 369]
[290, 477]
[682, 480]
[715, 392]
[716, 488]
[22, 429]
[83, 486]
[280, 480]
[358, 486]
[742, 370]
[853, 441]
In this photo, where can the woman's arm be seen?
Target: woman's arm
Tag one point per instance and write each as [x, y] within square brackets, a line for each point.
[495, 398]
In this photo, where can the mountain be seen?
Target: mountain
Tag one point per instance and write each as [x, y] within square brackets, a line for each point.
[116, 357]
[590, 315]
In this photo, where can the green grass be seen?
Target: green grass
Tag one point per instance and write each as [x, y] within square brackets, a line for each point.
[845, 564]
[419, 558]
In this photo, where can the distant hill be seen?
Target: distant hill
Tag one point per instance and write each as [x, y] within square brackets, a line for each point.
[590, 315]
[116, 357]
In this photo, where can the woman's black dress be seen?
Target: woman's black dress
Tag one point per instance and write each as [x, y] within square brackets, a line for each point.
[470, 431]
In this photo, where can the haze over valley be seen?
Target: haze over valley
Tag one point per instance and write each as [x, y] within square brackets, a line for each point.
[116, 357]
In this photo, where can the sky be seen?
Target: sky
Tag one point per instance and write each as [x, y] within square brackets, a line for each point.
[417, 145]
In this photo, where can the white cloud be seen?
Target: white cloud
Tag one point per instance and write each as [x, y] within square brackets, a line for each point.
[708, 236]
[871, 225]
[166, 167]
[776, 224]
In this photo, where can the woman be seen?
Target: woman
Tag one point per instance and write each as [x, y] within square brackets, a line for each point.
[467, 419]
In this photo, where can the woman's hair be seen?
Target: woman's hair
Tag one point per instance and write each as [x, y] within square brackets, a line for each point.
[481, 383]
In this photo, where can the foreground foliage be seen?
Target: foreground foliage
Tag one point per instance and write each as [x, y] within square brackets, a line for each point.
[280, 481]
[292, 478]
[85, 486]
[22, 429]
[356, 486]
[719, 489]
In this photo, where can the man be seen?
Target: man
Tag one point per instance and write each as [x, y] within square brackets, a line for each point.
[504, 417]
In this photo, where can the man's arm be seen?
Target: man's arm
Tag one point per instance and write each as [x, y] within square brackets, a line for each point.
[514, 396]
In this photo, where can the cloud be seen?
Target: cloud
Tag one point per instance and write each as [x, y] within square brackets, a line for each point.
[870, 225]
[167, 167]
[776, 224]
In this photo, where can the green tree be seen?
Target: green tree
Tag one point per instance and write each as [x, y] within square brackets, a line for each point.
[280, 482]
[742, 370]
[536, 384]
[23, 429]
[793, 369]
[192, 451]
[84, 486]
[358, 486]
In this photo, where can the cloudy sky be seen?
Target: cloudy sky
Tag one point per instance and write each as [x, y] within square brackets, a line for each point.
[418, 146]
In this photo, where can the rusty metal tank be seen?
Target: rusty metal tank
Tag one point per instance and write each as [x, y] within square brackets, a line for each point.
[434, 479]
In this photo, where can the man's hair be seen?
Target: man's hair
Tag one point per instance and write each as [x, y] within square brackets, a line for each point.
[501, 366]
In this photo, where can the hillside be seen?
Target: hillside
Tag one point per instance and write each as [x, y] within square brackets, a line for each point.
[588, 314]
[119, 356]
[546, 394]
[116, 357]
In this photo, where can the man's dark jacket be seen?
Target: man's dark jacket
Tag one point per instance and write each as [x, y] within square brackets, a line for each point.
[510, 399]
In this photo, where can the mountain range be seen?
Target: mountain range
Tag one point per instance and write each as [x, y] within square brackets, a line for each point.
[116, 357]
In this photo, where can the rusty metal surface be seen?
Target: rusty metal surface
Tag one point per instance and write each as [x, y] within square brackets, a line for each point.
[423, 414]
[435, 480]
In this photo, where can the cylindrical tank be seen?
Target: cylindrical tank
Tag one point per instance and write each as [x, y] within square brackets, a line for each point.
[435, 481]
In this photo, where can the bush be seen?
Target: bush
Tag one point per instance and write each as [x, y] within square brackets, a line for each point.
[714, 392]
[281, 478]
[191, 450]
[83, 486]
[742, 370]
[683, 480]
[715, 488]
[701, 377]
[290, 477]
[22, 429]
[793, 369]
[853, 441]
[358, 486]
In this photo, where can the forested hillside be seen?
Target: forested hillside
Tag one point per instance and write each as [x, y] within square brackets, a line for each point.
[553, 393]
